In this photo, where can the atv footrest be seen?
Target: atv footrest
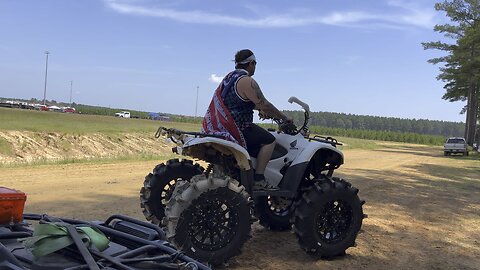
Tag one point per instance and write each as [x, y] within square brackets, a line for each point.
[275, 193]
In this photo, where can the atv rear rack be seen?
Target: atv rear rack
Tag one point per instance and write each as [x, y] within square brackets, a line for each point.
[133, 245]
[172, 131]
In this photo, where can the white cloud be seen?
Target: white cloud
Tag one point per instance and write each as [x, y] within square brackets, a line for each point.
[408, 14]
[415, 15]
[215, 78]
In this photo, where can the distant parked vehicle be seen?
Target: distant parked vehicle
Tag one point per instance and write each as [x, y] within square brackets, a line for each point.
[10, 104]
[68, 110]
[41, 107]
[123, 114]
[54, 108]
[5, 104]
[455, 145]
[158, 116]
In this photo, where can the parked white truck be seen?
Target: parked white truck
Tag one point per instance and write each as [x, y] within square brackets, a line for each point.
[123, 114]
[455, 145]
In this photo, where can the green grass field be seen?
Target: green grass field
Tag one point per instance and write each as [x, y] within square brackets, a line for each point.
[41, 121]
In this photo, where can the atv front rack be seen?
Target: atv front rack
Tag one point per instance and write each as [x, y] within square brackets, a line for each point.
[329, 140]
[133, 245]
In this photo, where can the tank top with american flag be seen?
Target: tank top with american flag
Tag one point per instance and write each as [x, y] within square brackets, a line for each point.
[240, 109]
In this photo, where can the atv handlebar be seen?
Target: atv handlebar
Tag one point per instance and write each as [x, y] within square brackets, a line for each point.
[288, 127]
[304, 105]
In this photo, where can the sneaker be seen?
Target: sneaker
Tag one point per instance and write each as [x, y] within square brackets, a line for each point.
[263, 185]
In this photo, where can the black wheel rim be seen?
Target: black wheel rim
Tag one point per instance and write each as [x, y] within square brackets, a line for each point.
[213, 223]
[334, 222]
[279, 206]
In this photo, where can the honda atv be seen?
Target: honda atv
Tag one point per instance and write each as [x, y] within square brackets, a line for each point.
[208, 212]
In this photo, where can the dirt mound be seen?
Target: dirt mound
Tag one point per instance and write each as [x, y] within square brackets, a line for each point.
[27, 146]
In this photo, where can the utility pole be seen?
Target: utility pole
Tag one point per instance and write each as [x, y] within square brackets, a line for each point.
[46, 72]
[71, 87]
[196, 104]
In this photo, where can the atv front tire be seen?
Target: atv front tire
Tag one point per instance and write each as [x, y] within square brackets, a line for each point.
[159, 185]
[328, 218]
[209, 218]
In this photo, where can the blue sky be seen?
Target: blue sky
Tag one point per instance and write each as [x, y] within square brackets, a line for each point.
[359, 57]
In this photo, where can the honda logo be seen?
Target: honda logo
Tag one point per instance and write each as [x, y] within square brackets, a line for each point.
[293, 144]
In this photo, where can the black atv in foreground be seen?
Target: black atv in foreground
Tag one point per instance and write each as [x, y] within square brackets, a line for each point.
[131, 244]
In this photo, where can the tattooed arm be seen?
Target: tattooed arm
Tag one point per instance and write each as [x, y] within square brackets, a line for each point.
[249, 89]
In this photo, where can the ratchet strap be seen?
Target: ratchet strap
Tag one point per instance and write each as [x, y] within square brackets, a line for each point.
[53, 236]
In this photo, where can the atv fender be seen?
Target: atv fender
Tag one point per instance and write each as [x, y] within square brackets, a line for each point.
[198, 147]
[333, 154]
[317, 150]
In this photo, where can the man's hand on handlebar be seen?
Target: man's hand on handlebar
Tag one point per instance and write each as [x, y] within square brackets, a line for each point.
[285, 123]
[262, 115]
[287, 126]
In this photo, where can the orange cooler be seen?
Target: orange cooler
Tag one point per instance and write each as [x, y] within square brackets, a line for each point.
[12, 203]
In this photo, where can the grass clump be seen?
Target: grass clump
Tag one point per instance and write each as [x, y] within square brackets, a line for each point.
[5, 147]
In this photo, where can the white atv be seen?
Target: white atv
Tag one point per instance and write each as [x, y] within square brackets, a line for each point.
[207, 213]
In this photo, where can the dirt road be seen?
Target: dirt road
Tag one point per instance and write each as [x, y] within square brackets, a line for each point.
[423, 208]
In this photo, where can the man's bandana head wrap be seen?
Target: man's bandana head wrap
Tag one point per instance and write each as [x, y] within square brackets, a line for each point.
[251, 58]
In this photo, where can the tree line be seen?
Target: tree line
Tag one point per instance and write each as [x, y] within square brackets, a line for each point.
[379, 135]
[376, 123]
[392, 136]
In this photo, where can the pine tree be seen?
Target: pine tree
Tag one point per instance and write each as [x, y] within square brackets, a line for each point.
[461, 70]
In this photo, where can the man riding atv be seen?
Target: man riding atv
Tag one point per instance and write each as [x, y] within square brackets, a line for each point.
[230, 114]
[208, 212]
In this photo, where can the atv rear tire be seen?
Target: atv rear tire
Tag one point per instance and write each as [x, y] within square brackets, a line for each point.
[328, 218]
[274, 213]
[209, 218]
[159, 185]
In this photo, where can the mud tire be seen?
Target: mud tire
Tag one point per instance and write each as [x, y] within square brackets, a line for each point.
[331, 206]
[274, 213]
[159, 185]
[194, 214]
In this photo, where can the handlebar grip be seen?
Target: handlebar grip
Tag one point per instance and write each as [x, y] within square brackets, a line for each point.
[299, 102]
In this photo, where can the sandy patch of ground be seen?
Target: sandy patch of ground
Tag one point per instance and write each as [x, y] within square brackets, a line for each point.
[424, 209]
